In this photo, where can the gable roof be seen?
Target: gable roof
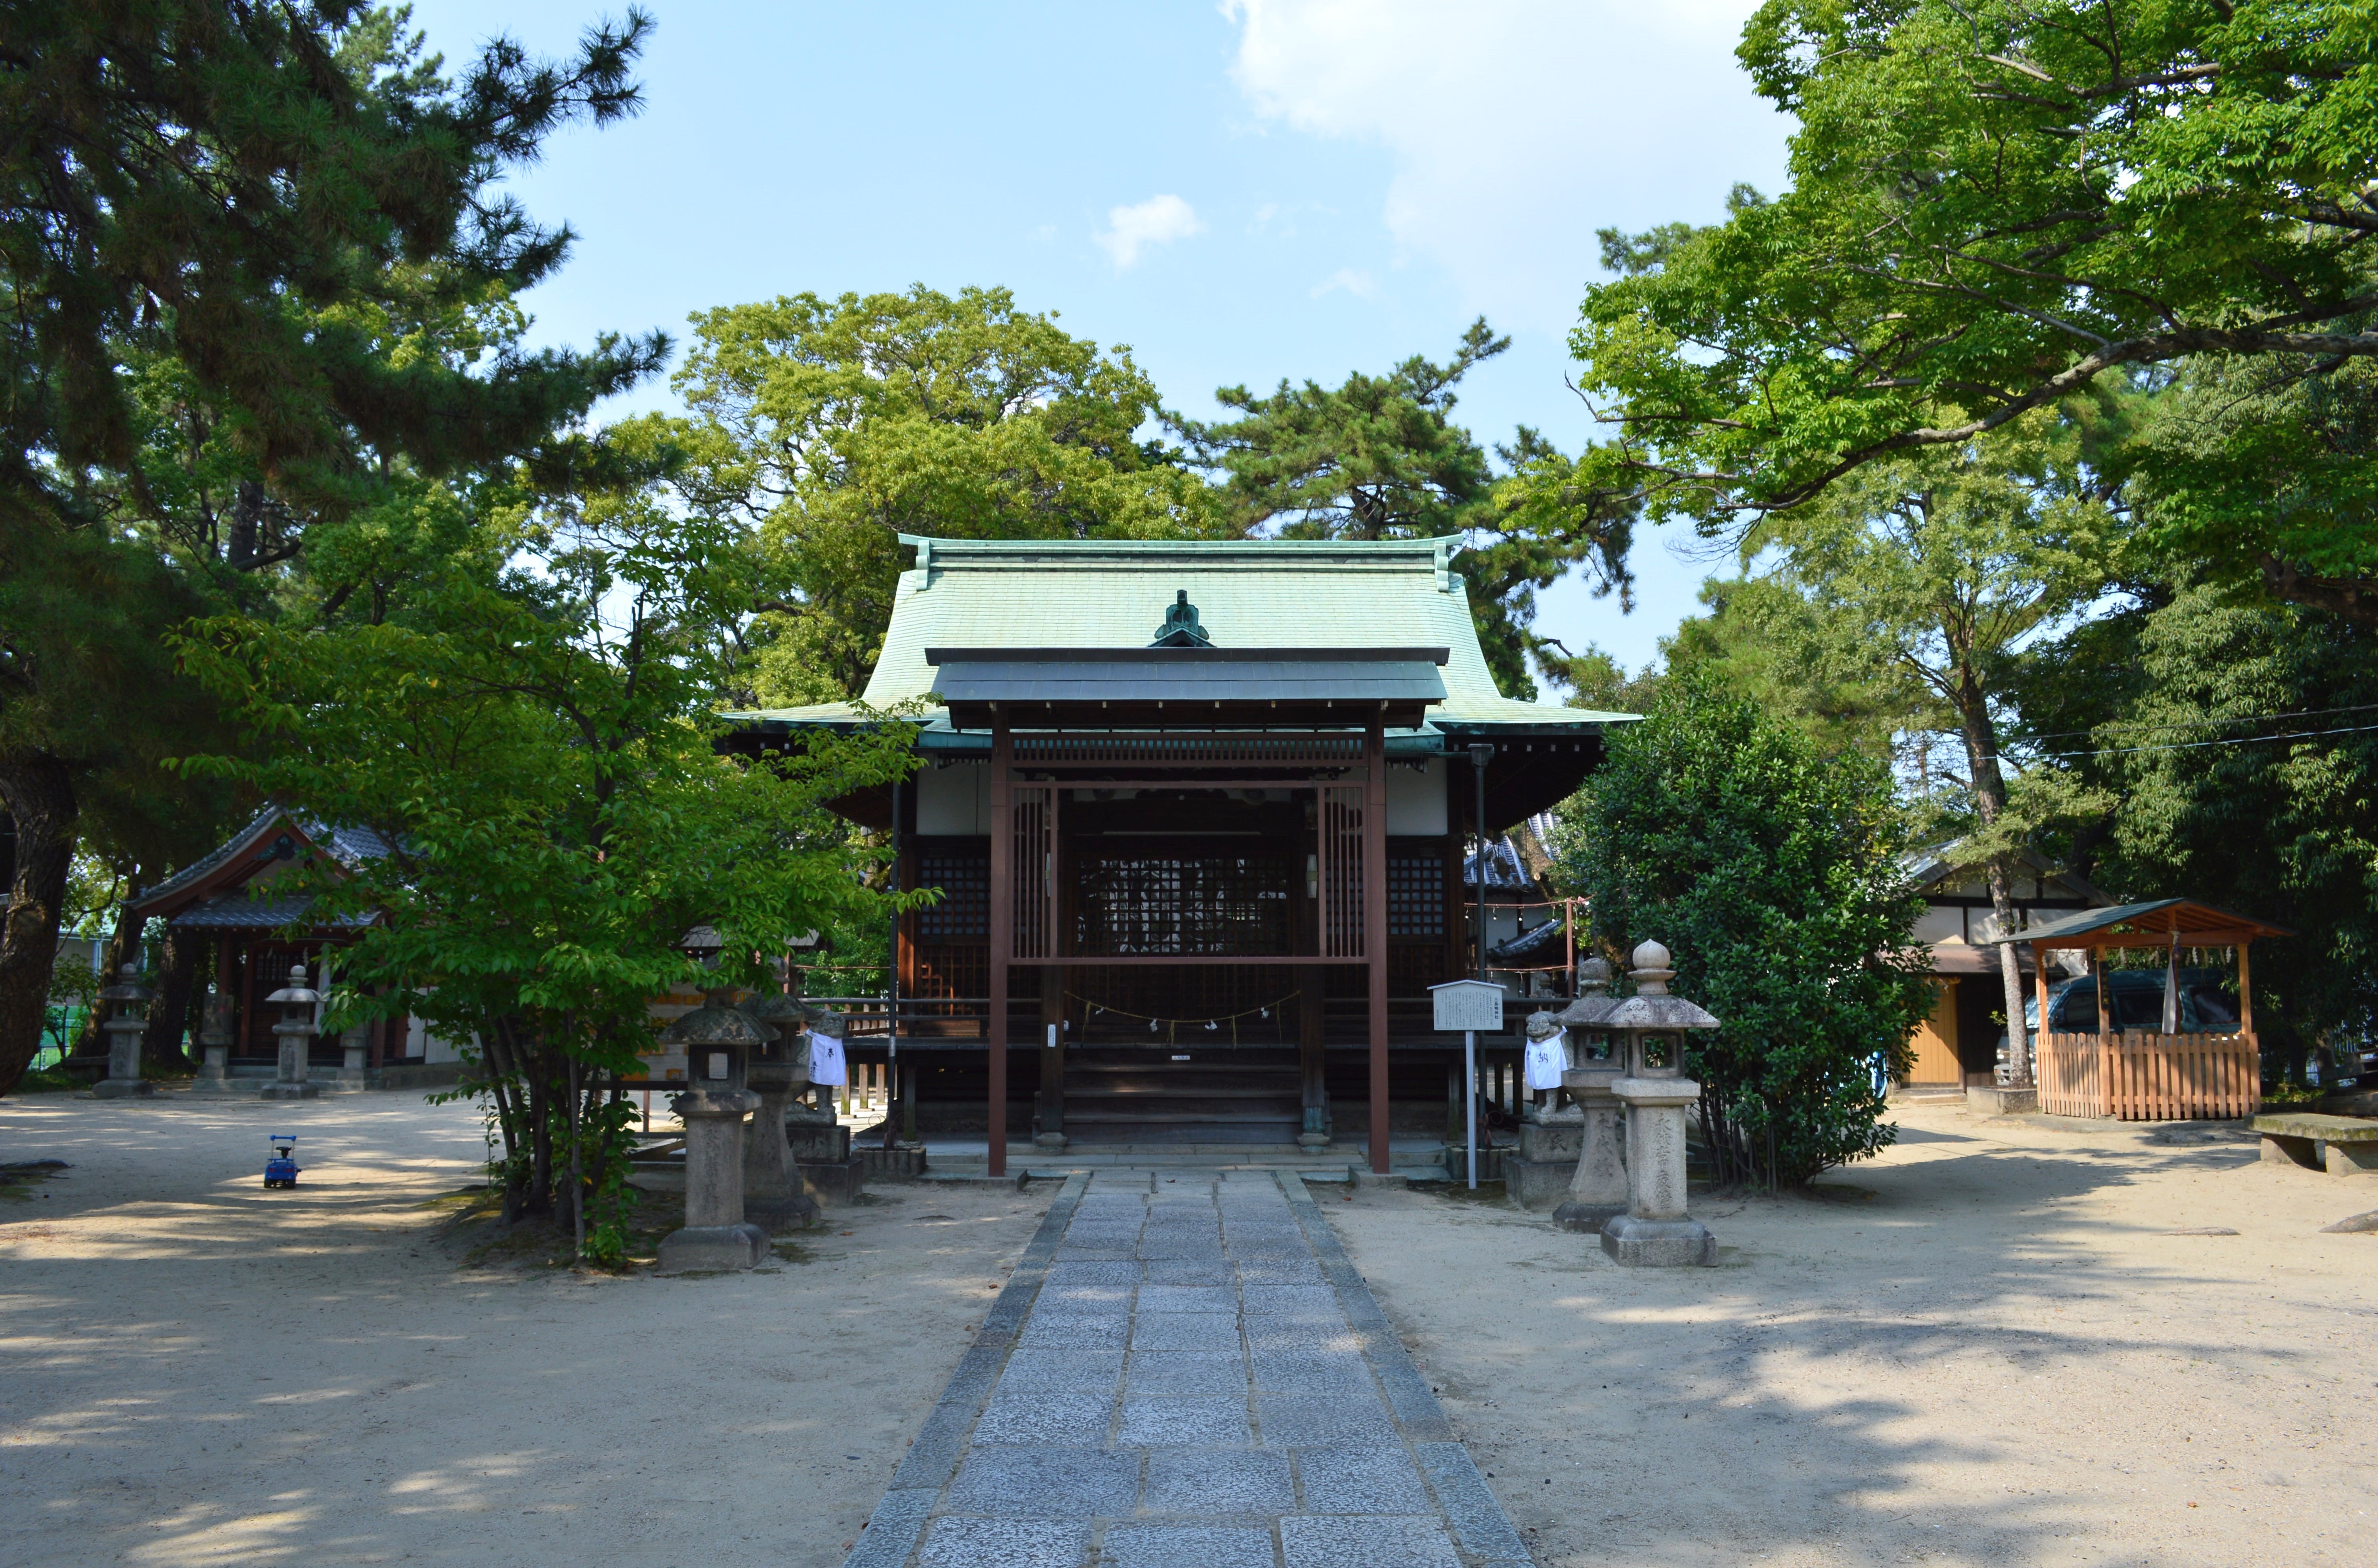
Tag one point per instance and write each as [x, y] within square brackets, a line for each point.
[2198, 925]
[237, 858]
[1278, 595]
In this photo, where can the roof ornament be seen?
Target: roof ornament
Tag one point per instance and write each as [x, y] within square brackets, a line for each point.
[1180, 629]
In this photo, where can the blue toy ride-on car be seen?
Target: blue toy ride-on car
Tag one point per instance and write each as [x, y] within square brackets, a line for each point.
[281, 1169]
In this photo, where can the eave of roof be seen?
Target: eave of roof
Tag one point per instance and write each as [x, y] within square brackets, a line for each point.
[2185, 915]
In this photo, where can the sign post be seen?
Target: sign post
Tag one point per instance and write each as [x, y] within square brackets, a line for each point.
[1470, 1006]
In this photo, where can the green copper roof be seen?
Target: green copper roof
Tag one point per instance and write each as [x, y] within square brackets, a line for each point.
[1276, 593]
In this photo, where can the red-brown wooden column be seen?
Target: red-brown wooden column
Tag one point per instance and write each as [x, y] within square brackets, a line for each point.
[1374, 934]
[1002, 940]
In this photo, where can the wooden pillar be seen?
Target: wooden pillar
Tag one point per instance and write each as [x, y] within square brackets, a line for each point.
[1375, 935]
[2246, 999]
[1002, 941]
[2038, 1036]
[2105, 1030]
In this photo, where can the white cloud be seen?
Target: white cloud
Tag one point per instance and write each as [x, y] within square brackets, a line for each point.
[1520, 127]
[1361, 284]
[1159, 219]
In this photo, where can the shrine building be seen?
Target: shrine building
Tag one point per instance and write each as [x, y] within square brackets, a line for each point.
[1198, 814]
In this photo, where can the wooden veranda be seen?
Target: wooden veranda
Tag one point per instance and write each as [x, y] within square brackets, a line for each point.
[2169, 1074]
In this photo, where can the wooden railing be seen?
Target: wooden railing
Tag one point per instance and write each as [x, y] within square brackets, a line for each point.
[2144, 1077]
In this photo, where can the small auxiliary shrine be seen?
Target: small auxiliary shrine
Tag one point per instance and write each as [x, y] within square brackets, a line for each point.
[1199, 813]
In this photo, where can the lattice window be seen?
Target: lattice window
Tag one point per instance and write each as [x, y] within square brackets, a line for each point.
[1416, 895]
[964, 913]
[1153, 905]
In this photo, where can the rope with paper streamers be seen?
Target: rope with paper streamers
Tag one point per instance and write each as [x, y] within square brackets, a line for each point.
[1173, 1025]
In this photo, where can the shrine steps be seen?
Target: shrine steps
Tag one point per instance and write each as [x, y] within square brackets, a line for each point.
[1121, 1095]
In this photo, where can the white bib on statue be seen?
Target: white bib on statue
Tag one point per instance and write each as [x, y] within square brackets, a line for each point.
[1546, 1060]
[825, 1061]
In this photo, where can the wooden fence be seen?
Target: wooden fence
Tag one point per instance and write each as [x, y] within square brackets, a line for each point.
[2144, 1077]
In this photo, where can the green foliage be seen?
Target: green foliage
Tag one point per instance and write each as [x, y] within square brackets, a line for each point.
[1992, 206]
[1773, 876]
[539, 757]
[1380, 458]
[836, 426]
[2264, 815]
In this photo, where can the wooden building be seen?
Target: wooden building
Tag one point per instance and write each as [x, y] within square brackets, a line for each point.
[248, 928]
[1197, 812]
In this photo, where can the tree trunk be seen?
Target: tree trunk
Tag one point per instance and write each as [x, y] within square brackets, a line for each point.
[40, 800]
[163, 1045]
[1989, 803]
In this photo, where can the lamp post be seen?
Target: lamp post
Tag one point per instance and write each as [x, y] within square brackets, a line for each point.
[779, 1069]
[295, 1031]
[1597, 1193]
[1656, 1230]
[719, 1041]
[130, 1022]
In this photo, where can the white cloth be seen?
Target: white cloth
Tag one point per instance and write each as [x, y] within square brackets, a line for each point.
[826, 1064]
[1546, 1060]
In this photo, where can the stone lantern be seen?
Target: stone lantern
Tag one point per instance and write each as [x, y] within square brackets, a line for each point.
[779, 1069]
[214, 1044]
[1597, 1189]
[830, 1172]
[718, 1043]
[295, 1031]
[129, 1000]
[1649, 1027]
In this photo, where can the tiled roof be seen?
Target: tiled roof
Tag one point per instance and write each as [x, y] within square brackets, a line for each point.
[347, 845]
[1283, 594]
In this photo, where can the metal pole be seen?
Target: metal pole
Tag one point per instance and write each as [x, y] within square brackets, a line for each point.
[892, 991]
[1479, 756]
[1469, 1100]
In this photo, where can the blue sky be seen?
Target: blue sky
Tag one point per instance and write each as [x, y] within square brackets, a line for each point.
[1241, 192]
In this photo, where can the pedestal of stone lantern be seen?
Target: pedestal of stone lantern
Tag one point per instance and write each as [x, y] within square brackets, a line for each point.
[773, 1189]
[295, 1034]
[214, 1047]
[717, 1042]
[1597, 1185]
[128, 1001]
[1656, 1230]
[1550, 1136]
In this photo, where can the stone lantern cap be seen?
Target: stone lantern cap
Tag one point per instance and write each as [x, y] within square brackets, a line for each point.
[773, 1007]
[127, 987]
[713, 1024]
[1649, 1012]
[296, 993]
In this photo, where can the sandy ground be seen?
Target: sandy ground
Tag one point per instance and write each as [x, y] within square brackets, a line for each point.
[1987, 1346]
[195, 1370]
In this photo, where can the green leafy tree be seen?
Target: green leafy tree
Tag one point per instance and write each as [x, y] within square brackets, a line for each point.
[834, 426]
[1773, 876]
[1993, 206]
[2233, 733]
[540, 757]
[1380, 457]
[257, 218]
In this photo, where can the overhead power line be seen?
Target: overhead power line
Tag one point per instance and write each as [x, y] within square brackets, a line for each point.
[2195, 724]
[2198, 744]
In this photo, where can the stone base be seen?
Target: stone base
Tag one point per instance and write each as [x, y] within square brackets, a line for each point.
[835, 1182]
[2002, 1102]
[1051, 1142]
[1554, 1142]
[817, 1140]
[292, 1092]
[902, 1162]
[1365, 1176]
[124, 1089]
[1587, 1218]
[1537, 1185]
[782, 1212]
[1491, 1160]
[1313, 1141]
[1659, 1243]
[713, 1248]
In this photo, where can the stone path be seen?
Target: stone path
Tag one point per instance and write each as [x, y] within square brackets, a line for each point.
[1184, 1372]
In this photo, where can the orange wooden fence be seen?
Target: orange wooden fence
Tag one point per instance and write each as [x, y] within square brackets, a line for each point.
[2144, 1077]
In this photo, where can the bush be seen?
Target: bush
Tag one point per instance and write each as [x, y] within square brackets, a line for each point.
[1774, 876]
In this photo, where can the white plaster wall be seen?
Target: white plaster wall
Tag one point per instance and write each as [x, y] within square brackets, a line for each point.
[1416, 800]
[953, 800]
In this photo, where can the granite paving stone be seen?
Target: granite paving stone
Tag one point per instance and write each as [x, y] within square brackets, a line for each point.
[1219, 1482]
[1184, 1372]
[1181, 1372]
[1185, 1546]
[1203, 1421]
